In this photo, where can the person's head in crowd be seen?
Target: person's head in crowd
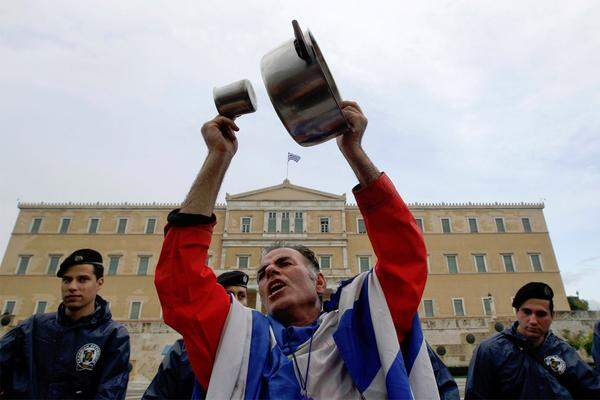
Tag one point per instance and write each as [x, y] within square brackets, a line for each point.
[236, 283]
[534, 309]
[82, 275]
[291, 284]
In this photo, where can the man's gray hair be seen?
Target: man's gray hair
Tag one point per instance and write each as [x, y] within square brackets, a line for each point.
[305, 251]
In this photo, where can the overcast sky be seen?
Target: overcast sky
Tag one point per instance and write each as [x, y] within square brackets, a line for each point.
[467, 101]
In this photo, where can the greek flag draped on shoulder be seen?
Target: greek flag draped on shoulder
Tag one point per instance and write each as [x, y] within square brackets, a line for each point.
[354, 353]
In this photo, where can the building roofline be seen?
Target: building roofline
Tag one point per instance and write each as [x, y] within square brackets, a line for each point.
[222, 206]
[470, 205]
[105, 205]
[288, 185]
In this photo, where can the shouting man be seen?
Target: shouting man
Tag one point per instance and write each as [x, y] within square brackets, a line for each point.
[346, 348]
[78, 352]
[527, 361]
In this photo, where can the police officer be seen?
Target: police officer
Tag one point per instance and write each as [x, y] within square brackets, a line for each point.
[77, 352]
[527, 361]
[175, 378]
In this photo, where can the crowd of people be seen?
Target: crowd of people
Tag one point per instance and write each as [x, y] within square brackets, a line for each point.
[364, 342]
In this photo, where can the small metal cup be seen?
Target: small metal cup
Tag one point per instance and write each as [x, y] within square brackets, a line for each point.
[235, 99]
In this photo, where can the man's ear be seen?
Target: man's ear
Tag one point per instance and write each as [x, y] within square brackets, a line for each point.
[321, 283]
[100, 282]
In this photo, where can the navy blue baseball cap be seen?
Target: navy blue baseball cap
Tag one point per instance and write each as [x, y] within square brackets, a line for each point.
[233, 278]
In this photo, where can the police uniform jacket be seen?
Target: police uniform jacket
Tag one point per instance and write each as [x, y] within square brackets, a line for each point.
[174, 378]
[502, 367]
[51, 356]
[447, 387]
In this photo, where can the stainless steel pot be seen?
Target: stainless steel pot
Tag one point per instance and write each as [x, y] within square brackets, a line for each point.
[302, 90]
[235, 99]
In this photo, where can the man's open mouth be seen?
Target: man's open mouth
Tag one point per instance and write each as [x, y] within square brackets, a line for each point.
[275, 287]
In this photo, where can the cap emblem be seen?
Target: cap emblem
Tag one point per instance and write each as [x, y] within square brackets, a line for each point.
[78, 258]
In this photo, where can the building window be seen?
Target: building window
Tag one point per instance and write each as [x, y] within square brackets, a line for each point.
[9, 307]
[209, 260]
[419, 222]
[452, 263]
[488, 305]
[36, 223]
[526, 224]
[428, 308]
[459, 307]
[136, 310]
[298, 222]
[122, 225]
[364, 263]
[272, 222]
[480, 262]
[507, 259]
[64, 225]
[150, 226]
[325, 261]
[360, 225]
[93, 226]
[285, 222]
[22, 265]
[500, 225]
[243, 261]
[324, 224]
[143, 262]
[246, 224]
[113, 264]
[40, 307]
[473, 228]
[536, 262]
[446, 225]
[53, 264]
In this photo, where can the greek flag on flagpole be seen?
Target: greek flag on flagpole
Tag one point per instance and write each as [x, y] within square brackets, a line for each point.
[293, 157]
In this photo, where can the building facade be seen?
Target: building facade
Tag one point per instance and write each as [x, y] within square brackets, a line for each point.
[478, 254]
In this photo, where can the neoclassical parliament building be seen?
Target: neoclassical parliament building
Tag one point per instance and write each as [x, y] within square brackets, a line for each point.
[478, 254]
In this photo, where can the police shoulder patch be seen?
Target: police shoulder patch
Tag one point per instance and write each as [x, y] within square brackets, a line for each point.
[87, 356]
[556, 364]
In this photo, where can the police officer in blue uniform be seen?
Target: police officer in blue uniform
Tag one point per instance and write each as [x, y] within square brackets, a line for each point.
[527, 361]
[77, 352]
[175, 378]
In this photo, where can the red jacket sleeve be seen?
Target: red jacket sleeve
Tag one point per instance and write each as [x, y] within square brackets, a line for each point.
[193, 303]
[400, 249]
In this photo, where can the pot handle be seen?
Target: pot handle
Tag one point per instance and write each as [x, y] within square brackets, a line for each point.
[300, 43]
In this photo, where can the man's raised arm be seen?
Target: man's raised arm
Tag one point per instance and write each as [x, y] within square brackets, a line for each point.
[192, 301]
[394, 235]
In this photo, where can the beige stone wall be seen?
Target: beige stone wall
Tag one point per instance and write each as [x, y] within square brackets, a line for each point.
[344, 244]
[473, 287]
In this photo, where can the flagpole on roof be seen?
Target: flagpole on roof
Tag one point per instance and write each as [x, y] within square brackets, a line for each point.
[287, 167]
